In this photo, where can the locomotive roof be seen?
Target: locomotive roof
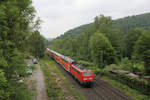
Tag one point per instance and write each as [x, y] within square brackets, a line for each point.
[80, 67]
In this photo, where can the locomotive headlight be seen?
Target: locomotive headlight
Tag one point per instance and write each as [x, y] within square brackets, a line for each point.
[87, 79]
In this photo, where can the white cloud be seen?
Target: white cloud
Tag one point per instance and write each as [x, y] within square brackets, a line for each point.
[62, 15]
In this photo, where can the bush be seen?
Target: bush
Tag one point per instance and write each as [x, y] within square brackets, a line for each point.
[138, 67]
[20, 92]
[111, 67]
[126, 64]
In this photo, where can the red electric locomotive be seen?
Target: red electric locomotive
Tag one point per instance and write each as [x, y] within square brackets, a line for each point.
[83, 75]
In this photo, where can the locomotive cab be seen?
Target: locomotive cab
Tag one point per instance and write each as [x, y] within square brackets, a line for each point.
[87, 77]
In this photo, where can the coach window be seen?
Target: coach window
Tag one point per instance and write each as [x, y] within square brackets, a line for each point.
[76, 70]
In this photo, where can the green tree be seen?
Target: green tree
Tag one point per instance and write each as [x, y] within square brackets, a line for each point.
[96, 22]
[142, 49]
[115, 36]
[16, 19]
[131, 39]
[101, 50]
[82, 44]
[37, 44]
[103, 23]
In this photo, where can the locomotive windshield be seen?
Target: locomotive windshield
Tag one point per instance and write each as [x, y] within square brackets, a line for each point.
[87, 74]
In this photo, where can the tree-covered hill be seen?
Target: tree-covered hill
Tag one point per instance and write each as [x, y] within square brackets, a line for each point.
[126, 23]
[135, 21]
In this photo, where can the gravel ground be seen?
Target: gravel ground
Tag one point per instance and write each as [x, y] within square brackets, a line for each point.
[39, 84]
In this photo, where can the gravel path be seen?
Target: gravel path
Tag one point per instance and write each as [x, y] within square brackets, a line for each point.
[38, 77]
[40, 85]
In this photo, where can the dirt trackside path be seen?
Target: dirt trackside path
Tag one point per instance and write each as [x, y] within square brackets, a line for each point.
[39, 84]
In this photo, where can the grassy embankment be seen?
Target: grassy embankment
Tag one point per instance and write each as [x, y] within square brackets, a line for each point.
[137, 95]
[57, 85]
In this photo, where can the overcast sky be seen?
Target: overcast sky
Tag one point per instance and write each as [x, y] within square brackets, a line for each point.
[61, 15]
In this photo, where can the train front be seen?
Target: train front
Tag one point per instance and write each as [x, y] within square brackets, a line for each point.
[87, 77]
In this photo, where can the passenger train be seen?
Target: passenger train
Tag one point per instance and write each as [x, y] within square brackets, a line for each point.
[83, 75]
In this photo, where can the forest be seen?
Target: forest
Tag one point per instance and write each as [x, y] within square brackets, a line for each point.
[19, 37]
[123, 42]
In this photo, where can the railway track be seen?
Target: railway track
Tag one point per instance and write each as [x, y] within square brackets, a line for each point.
[101, 90]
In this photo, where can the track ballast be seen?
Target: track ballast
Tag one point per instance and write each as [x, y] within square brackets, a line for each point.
[101, 90]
